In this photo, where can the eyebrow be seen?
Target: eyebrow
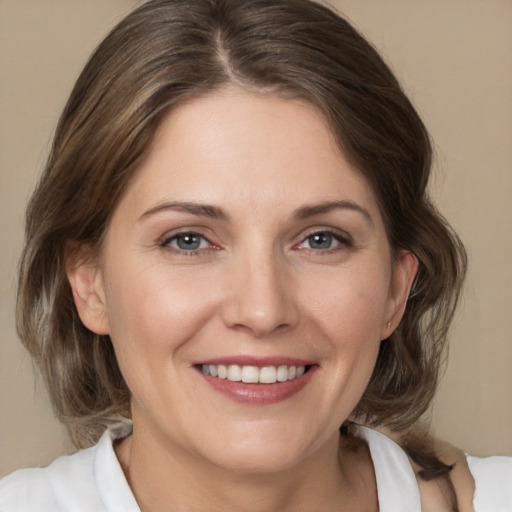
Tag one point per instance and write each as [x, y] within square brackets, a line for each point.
[214, 212]
[201, 210]
[317, 209]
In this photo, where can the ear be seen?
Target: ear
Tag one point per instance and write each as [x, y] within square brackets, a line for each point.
[405, 268]
[86, 280]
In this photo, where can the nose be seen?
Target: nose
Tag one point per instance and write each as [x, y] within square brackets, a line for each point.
[261, 295]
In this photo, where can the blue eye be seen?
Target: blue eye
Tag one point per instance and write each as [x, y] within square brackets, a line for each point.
[320, 241]
[323, 241]
[187, 242]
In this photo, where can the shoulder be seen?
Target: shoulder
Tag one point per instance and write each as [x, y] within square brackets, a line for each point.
[435, 493]
[480, 484]
[91, 479]
[45, 489]
[25, 490]
[493, 483]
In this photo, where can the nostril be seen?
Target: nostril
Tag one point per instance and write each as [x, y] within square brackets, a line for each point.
[259, 301]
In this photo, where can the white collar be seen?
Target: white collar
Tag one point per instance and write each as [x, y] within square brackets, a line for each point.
[397, 486]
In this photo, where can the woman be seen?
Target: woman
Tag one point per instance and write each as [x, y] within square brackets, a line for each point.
[232, 246]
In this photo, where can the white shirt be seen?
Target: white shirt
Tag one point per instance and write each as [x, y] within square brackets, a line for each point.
[92, 480]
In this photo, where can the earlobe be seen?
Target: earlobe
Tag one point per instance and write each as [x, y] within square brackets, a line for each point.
[86, 281]
[405, 269]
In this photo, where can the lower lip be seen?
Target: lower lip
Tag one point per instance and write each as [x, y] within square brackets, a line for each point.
[259, 394]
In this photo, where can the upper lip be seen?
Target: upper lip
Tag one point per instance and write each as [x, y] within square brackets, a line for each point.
[260, 362]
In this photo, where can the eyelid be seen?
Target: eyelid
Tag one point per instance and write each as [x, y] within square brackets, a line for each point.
[337, 233]
[166, 240]
[341, 236]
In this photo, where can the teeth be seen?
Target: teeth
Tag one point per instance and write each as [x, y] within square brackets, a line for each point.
[222, 371]
[250, 374]
[253, 374]
[234, 373]
[282, 373]
[268, 375]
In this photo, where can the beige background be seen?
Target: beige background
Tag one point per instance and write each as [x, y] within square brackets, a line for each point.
[455, 60]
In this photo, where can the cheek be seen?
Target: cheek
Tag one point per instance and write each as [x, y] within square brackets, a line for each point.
[156, 310]
[350, 305]
[153, 316]
[348, 312]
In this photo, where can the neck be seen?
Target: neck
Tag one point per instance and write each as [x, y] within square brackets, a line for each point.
[337, 478]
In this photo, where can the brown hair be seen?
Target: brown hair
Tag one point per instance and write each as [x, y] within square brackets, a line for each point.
[167, 51]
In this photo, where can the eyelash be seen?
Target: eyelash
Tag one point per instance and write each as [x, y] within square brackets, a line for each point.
[166, 244]
[345, 241]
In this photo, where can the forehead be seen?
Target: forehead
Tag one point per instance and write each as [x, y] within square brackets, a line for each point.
[258, 149]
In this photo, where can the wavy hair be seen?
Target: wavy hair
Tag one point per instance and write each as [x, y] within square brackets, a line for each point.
[168, 51]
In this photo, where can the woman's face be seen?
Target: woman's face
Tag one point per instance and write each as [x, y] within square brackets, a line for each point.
[246, 245]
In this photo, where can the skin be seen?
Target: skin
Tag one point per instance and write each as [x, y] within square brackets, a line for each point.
[257, 285]
[435, 496]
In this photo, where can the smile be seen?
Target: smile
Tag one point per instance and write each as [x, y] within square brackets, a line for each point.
[258, 381]
[254, 374]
